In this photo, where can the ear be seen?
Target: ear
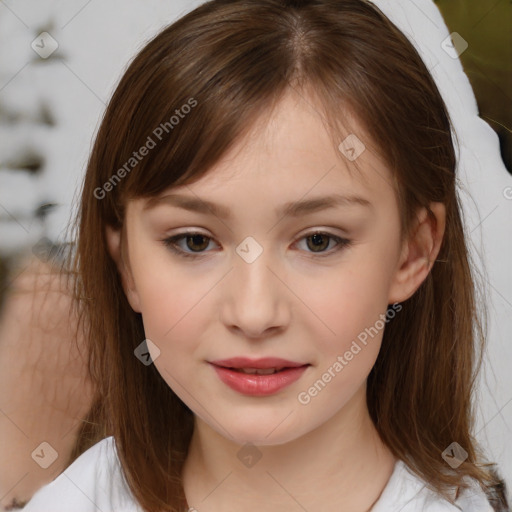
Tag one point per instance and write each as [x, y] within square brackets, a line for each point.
[418, 253]
[114, 244]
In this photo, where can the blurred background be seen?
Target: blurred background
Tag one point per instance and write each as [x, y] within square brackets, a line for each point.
[59, 64]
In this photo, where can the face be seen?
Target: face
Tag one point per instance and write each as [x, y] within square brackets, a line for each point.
[305, 288]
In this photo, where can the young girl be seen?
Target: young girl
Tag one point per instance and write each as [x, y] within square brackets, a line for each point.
[272, 267]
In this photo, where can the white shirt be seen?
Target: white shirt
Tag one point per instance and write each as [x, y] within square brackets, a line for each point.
[94, 483]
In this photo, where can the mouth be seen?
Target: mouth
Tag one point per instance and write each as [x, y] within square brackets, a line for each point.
[263, 363]
[258, 377]
[257, 371]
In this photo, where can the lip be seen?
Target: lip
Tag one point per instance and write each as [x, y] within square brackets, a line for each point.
[261, 363]
[258, 385]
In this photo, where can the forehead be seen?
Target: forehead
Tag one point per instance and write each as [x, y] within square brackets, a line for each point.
[288, 155]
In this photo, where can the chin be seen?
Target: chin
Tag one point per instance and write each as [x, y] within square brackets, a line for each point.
[259, 429]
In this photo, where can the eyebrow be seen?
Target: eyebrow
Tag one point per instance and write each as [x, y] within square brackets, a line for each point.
[294, 208]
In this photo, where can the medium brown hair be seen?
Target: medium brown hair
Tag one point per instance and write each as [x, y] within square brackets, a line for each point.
[235, 60]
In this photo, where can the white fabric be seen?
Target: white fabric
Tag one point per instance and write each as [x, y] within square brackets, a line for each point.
[405, 492]
[94, 483]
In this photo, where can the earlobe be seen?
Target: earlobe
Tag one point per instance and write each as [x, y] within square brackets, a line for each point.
[115, 249]
[419, 253]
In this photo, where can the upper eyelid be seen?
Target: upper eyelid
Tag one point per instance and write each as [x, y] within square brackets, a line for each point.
[304, 232]
[323, 231]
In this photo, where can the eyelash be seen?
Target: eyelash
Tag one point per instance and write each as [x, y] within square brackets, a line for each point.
[171, 243]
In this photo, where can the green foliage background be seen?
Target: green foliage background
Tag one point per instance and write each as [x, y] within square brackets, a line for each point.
[487, 27]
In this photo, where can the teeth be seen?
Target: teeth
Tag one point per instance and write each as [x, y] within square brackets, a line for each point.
[259, 371]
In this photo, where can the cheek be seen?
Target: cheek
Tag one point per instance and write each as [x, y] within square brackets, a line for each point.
[169, 310]
[348, 340]
[350, 302]
[173, 304]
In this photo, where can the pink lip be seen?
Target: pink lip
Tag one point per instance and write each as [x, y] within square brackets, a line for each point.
[258, 385]
[264, 362]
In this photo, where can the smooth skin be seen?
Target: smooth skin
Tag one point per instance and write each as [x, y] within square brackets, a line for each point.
[295, 301]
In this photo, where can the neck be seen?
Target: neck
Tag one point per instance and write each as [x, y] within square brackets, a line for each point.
[340, 466]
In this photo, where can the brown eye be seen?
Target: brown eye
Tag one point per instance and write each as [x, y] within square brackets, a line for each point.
[196, 243]
[195, 240]
[319, 242]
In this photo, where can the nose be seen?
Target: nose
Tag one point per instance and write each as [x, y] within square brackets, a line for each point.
[255, 304]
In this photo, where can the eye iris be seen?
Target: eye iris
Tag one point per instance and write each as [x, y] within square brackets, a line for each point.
[196, 240]
[317, 241]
